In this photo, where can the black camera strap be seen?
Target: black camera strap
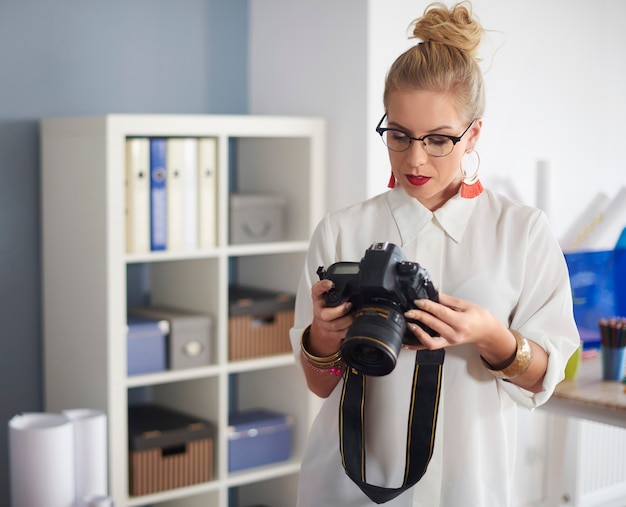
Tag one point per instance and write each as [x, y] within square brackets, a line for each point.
[422, 422]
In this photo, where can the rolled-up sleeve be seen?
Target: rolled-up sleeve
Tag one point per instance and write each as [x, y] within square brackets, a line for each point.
[544, 313]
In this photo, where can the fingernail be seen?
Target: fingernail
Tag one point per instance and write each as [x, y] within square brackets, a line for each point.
[419, 303]
[348, 306]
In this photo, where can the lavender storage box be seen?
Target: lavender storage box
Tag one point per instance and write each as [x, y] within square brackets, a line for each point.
[258, 437]
[146, 342]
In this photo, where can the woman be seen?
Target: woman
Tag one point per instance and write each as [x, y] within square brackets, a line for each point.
[504, 315]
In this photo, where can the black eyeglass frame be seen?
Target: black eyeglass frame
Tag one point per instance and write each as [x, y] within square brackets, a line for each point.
[455, 139]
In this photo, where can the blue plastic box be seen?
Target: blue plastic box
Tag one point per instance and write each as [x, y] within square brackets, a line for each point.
[258, 437]
[146, 345]
[598, 290]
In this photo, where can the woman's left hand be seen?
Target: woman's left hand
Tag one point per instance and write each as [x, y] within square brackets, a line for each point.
[457, 321]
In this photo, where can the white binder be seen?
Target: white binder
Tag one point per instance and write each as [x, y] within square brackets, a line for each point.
[137, 195]
[207, 192]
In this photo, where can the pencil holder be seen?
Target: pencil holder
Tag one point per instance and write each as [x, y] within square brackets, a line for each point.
[613, 360]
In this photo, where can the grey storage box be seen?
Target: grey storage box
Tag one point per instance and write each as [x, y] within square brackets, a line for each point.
[189, 341]
[256, 218]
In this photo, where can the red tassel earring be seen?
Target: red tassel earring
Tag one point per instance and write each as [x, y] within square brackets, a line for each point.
[471, 186]
[392, 181]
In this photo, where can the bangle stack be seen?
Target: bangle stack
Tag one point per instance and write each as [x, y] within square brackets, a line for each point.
[332, 364]
[520, 362]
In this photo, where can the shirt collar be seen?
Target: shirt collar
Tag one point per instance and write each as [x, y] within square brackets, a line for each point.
[411, 216]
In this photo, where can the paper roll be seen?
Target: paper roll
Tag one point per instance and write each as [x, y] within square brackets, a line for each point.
[90, 450]
[605, 234]
[41, 460]
[543, 184]
[576, 235]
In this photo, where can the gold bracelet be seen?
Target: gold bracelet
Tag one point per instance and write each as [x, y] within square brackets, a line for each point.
[332, 364]
[520, 362]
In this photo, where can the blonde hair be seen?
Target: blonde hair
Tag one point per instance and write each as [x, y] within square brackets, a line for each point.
[445, 61]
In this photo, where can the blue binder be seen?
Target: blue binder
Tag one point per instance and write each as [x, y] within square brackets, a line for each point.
[158, 194]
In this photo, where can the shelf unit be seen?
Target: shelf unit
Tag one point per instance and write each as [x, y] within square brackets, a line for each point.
[87, 272]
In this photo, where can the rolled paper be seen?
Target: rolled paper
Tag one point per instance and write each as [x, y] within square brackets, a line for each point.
[607, 231]
[577, 233]
[90, 450]
[41, 460]
[543, 186]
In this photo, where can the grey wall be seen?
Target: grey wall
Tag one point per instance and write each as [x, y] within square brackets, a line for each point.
[71, 57]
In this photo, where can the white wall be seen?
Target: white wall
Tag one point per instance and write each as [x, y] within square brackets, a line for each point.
[555, 92]
[554, 72]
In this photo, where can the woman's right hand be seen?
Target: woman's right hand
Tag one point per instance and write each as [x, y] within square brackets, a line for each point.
[328, 329]
[330, 323]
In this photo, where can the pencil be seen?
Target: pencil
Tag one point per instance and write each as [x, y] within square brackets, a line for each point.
[613, 332]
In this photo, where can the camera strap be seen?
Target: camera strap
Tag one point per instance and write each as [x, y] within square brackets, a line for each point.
[422, 422]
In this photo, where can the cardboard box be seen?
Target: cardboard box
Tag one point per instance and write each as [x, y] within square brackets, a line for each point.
[190, 334]
[256, 218]
[146, 344]
[259, 322]
[168, 449]
[258, 437]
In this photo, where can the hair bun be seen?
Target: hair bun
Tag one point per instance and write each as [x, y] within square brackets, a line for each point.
[454, 27]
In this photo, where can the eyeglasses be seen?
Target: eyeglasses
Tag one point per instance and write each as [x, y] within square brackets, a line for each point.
[435, 145]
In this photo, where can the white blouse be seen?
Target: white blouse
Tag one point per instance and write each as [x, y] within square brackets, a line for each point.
[490, 250]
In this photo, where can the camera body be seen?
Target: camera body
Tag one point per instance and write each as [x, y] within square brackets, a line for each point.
[381, 287]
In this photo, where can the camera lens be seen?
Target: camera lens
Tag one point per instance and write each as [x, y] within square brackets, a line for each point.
[374, 339]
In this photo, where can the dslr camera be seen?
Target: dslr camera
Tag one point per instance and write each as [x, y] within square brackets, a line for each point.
[381, 288]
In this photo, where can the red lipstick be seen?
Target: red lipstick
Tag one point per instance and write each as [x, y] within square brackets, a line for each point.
[417, 180]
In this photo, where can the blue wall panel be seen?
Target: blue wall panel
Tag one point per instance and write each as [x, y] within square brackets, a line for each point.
[68, 58]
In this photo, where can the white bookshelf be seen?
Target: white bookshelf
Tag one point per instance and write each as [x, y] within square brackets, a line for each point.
[85, 271]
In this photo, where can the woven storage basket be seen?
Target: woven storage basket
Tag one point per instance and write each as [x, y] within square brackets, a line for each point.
[168, 449]
[259, 323]
[153, 470]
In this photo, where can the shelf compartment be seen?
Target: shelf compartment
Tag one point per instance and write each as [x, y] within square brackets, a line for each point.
[191, 285]
[198, 397]
[272, 271]
[276, 157]
[279, 389]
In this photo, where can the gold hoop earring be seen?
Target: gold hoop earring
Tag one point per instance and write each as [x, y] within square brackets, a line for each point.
[471, 186]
